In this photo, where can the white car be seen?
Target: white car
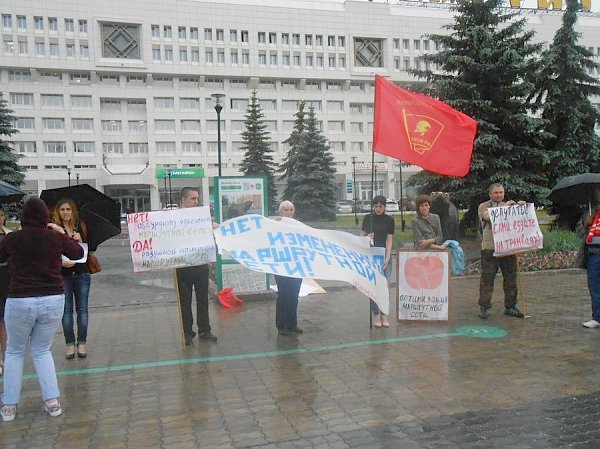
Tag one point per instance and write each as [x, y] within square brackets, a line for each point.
[391, 206]
[344, 207]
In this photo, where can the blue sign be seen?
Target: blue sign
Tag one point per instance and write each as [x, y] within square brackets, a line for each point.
[349, 186]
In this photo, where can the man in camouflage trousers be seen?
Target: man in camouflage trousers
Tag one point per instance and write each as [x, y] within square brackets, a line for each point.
[490, 264]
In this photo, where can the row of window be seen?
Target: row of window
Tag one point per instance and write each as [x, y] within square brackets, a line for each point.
[167, 147]
[243, 36]
[42, 49]
[41, 23]
[141, 126]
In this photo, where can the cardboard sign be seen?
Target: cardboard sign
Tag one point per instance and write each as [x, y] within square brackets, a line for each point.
[290, 248]
[423, 285]
[169, 239]
[515, 229]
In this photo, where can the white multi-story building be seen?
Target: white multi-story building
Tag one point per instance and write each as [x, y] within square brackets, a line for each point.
[111, 93]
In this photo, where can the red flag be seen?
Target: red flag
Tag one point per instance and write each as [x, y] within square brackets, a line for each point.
[418, 129]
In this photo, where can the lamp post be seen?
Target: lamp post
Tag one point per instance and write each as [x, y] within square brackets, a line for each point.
[218, 109]
[169, 176]
[402, 223]
[69, 175]
[354, 188]
[77, 177]
[166, 198]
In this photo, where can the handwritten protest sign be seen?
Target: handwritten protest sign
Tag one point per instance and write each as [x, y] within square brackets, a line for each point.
[423, 286]
[290, 248]
[168, 239]
[515, 229]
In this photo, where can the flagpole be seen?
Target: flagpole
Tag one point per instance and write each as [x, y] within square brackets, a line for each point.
[371, 220]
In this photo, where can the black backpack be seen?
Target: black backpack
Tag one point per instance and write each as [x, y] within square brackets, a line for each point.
[481, 224]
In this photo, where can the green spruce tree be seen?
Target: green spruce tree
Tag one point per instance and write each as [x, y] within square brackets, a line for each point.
[288, 166]
[564, 88]
[10, 170]
[486, 60]
[312, 182]
[258, 157]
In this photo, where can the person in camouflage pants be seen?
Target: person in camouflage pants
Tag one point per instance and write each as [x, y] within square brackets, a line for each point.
[490, 264]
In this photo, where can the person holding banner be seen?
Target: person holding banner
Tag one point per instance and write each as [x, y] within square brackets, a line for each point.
[426, 227]
[490, 264]
[196, 278]
[288, 289]
[380, 227]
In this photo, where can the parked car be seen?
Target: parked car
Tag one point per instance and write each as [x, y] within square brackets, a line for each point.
[344, 207]
[391, 205]
[172, 206]
[365, 206]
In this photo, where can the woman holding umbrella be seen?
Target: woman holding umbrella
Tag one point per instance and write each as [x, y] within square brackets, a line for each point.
[77, 280]
[589, 229]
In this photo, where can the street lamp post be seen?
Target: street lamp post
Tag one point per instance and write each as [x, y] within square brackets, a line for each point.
[354, 188]
[166, 197]
[77, 177]
[218, 109]
[402, 223]
[169, 176]
[69, 175]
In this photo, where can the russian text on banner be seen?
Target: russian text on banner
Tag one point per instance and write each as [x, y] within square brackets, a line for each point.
[515, 229]
[290, 248]
[421, 130]
[169, 239]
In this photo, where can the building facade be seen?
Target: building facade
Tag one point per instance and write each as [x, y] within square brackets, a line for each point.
[119, 95]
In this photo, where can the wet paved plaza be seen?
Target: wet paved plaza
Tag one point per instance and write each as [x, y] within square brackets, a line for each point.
[467, 383]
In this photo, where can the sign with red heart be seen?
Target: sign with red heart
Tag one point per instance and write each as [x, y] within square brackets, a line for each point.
[423, 285]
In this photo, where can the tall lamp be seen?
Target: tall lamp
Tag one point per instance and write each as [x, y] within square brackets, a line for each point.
[354, 188]
[169, 176]
[218, 108]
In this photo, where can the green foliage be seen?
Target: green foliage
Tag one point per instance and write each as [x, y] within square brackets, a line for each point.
[487, 59]
[311, 183]
[555, 241]
[258, 157]
[10, 170]
[288, 165]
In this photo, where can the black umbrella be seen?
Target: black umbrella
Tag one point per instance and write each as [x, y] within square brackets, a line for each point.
[101, 214]
[9, 193]
[576, 189]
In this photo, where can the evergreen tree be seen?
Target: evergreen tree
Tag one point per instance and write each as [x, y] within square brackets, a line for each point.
[10, 170]
[486, 60]
[288, 165]
[564, 87]
[258, 157]
[312, 181]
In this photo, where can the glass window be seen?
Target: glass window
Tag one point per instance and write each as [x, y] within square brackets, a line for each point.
[271, 125]
[190, 147]
[52, 23]
[155, 30]
[289, 85]
[164, 125]
[137, 126]
[309, 60]
[272, 38]
[23, 46]
[70, 46]
[82, 124]
[138, 148]
[84, 147]
[55, 147]
[110, 104]
[7, 20]
[21, 22]
[211, 126]
[285, 38]
[168, 54]
[40, 48]
[24, 123]
[332, 61]
[21, 99]
[81, 101]
[308, 40]
[84, 51]
[165, 147]
[189, 103]
[335, 126]
[220, 35]
[112, 148]
[83, 26]
[237, 126]
[53, 123]
[356, 127]
[164, 103]
[9, 46]
[183, 56]
[273, 59]
[221, 57]
[181, 32]
[262, 38]
[289, 105]
[331, 41]
[208, 34]
[312, 85]
[341, 41]
[234, 56]
[296, 39]
[417, 44]
[39, 23]
[208, 56]
[195, 55]
[245, 58]
[194, 33]
[156, 54]
[337, 147]
[25, 147]
[319, 40]
[52, 100]
[342, 62]
[244, 36]
[268, 105]
[112, 126]
[262, 58]
[405, 44]
[167, 32]
[190, 125]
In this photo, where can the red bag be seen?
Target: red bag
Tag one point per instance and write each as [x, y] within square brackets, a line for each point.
[228, 299]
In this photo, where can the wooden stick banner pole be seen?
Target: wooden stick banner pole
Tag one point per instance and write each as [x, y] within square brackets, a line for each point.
[520, 294]
[176, 284]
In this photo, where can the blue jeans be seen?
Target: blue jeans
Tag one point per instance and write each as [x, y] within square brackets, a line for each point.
[77, 287]
[286, 309]
[593, 276]
[31, 320]
[388, 277]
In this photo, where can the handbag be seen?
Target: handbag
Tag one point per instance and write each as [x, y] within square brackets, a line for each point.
[93, 263]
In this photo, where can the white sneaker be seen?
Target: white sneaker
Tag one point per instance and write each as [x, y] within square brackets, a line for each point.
[591, 324]
[377, 320]
[52, 406]
[8, 412]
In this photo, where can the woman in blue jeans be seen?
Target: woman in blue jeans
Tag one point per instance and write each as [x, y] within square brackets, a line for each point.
[77, 280]
[35, 303]
[288, 289]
